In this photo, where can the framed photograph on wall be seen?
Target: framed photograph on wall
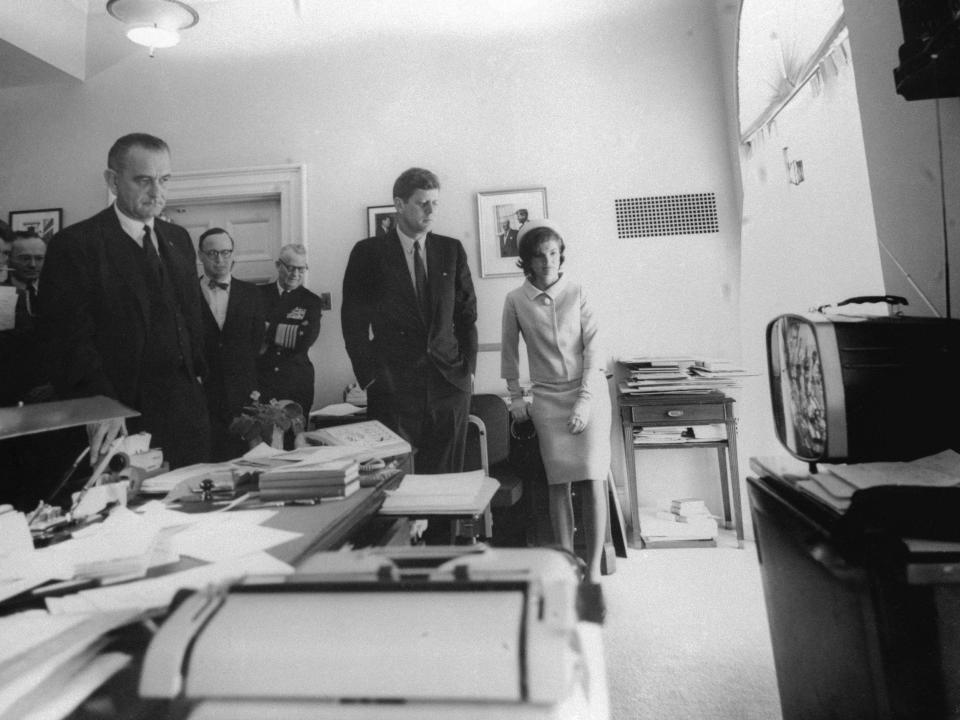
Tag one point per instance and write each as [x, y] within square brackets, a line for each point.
[380, 220]
[500, 215]
[46, 223]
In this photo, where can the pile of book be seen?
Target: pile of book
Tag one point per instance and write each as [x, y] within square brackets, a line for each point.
[655, 374]
[682, 522]
[306, 480]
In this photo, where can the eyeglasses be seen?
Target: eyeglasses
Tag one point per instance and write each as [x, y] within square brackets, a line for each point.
[214, 254]
[294, 268]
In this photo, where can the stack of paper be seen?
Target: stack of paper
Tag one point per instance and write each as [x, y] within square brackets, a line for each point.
[678, 375]
[439, 493]
[49, 665]
[330, 479]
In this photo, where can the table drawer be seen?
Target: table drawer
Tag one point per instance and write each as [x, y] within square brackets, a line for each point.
[691, 414]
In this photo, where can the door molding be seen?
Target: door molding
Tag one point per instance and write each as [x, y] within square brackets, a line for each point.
[288, 182]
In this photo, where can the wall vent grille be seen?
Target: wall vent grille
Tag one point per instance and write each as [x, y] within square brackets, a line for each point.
[690, 214]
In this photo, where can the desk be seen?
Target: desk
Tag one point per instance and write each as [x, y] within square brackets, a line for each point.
[682, 410]
[864, 621]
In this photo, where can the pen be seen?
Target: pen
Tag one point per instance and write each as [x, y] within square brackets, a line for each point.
[369, 384]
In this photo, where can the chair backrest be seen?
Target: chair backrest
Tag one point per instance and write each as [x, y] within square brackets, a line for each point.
[492, 410]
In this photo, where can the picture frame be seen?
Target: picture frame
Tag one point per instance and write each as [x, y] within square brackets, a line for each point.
[46, 223]
[378, 214]
[500, 214]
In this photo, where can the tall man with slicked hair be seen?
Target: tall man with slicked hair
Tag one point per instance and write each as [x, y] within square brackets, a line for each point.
[409, 322]
[121, 309]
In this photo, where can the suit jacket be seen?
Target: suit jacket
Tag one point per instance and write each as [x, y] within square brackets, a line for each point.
[378, 294]
[95, 312]
[508, 243]
[231, 352]
[293, 325]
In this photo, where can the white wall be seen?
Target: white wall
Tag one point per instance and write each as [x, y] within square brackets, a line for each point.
[607, 99]
[903, 157]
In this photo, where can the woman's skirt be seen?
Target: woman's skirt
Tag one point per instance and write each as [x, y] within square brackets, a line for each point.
[568, 457]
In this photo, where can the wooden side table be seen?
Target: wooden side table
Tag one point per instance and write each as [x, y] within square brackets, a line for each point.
[682, 410]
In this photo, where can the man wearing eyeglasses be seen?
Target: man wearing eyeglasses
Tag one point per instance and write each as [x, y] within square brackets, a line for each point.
[233, 325]
[284, 369]
[121, 310]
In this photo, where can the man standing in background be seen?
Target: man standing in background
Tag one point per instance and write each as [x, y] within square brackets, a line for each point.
[414, 291]
[293, 314]
[233, 326]
[121, 309]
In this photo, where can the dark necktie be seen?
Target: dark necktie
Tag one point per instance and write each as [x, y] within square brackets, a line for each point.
[150, 251]
[31, 299]
[420, 277]
[217, 284]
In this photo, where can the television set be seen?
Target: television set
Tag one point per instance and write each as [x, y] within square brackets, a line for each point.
[857, 388]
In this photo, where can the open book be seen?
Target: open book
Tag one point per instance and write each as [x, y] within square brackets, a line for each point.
[371, 435]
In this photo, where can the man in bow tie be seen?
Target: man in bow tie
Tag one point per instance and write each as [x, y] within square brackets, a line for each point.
[293, 313]
[409, 323]
[233, 321]
[121, 309]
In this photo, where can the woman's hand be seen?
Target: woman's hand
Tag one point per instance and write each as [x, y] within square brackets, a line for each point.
[579, 418]
[519, 410]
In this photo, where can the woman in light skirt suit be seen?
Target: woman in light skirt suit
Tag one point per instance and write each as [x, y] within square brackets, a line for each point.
[571, 406]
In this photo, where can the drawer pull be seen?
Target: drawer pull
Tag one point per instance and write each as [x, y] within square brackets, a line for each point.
[674, 413]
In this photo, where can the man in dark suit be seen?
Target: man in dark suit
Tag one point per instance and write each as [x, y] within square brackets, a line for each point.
[414, 290]
[233, 323]
[120, 311]
[508, 240]
[293, 314]
[21, 369]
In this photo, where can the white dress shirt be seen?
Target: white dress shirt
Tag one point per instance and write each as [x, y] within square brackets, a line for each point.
[217, 298]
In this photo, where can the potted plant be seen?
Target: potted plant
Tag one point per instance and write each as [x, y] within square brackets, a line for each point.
[268, 422]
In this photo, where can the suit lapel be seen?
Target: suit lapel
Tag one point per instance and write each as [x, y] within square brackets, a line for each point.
[436, 266]
[207, 313]
[122, 253]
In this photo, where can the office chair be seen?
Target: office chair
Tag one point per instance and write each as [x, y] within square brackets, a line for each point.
[488, 447]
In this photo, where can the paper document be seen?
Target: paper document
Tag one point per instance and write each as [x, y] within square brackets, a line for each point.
[338, 409]
[157, 592]
[464, 484]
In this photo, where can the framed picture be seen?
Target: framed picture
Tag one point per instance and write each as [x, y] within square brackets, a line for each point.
[500, 216]
[380, 220]
[46, 223]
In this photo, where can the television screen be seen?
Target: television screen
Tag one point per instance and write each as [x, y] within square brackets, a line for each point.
[863, 388]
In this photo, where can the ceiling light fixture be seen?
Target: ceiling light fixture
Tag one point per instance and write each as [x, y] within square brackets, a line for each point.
[153, 23]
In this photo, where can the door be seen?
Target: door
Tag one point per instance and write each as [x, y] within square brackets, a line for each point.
[253, 223]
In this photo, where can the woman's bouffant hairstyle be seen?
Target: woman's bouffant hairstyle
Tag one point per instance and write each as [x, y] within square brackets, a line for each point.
[530, 243]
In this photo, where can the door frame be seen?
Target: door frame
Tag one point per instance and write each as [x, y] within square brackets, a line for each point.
[288, 182]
